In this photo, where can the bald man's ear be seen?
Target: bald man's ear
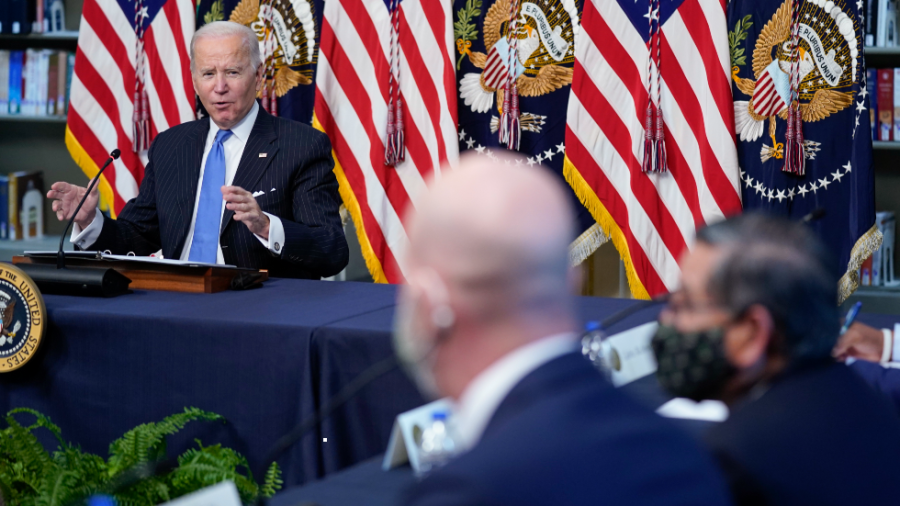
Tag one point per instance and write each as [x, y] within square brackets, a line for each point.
[748, 339]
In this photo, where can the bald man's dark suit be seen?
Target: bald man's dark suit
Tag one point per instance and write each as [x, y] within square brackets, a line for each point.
[294, 174]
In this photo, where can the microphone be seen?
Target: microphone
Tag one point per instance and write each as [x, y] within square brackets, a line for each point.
[91, 281]
[61, 255]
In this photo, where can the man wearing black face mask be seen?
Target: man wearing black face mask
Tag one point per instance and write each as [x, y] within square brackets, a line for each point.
[753, 325]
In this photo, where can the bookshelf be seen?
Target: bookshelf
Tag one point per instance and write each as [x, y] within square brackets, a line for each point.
[38, 143]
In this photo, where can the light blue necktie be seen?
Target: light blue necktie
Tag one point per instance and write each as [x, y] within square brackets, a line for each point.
[209, 208]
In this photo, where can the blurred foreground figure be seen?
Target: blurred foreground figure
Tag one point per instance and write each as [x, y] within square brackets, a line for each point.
[753, 325]
[487, 318]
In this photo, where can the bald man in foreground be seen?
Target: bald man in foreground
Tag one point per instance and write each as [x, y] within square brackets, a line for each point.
[488, 319]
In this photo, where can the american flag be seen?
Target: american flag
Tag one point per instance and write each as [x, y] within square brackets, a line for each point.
[352, 90]
[102, 107]
[652, 218]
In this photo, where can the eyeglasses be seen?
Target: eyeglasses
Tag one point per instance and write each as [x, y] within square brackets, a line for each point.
[680, 303]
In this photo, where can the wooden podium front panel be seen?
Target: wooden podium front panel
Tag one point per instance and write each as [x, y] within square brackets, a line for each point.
[147, 276]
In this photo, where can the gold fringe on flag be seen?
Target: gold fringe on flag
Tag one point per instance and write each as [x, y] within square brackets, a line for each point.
[589, 198]
[352, 205]
[586, 244]
[865, 246]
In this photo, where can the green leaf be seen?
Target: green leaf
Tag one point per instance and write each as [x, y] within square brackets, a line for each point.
[735, 37]
[147, 442]
[273, 481]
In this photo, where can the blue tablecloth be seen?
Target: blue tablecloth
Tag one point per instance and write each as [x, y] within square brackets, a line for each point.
[265, 359]
[107, 365]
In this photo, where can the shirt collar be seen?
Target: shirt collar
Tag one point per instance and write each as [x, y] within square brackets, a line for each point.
[483, 395]
[243, 128]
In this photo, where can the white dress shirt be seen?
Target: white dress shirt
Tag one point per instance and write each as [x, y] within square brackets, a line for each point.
[234, 149]
[481, 398]
[890, 356]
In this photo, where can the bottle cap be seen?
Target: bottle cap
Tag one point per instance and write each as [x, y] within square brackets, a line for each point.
[439, 415]
[101, 500]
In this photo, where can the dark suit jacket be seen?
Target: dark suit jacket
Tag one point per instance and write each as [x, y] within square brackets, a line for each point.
[564, 436]
[298, 165]
[819, 435]
[885, 380]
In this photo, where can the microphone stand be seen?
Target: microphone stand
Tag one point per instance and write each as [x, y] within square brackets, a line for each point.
[90, 281]
[61, 255]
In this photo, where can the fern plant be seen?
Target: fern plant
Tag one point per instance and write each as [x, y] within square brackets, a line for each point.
[31, 476]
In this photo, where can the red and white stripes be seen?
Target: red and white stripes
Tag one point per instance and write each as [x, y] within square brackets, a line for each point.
[101, 111]
[653, 217]
[352, 96]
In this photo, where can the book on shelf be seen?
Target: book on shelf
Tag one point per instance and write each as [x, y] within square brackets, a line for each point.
[35, 82]
[15, 81]
[882, 272]
[26, 205]
[871, 22]
[885, 104]
[4, 207]
[872, 88]
[881, 23]
[896, 106]
[4, 82]
[21, 17]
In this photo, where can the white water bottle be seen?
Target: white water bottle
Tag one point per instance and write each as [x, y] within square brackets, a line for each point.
[597, 349]
[437, 445]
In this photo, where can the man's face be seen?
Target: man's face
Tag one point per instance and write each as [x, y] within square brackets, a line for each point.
[691, 309]
[414, 338]
[224, 79]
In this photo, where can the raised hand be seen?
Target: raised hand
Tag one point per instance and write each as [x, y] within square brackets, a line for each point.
[66, 197]
[860, 341]
[246, 210]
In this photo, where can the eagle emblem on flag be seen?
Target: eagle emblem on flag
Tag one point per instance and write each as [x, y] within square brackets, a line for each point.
[827, 54]
[545, 53]
[803, 102]
[287, 40]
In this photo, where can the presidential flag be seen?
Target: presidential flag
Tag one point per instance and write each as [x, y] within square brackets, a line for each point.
[649, 133]
[288, 36]
[386, 98]
[537, 40]
[807, 53]
[131, 81]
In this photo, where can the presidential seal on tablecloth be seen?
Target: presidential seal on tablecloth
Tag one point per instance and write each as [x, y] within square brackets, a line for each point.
[22, 318]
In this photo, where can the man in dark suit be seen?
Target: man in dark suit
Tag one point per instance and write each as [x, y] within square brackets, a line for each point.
[753, 325]
[877, 357]
[271, 175]
[487, 319]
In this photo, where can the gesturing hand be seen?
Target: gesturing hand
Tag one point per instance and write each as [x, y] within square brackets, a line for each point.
[860, 341]
[66, 197]
[246, 210]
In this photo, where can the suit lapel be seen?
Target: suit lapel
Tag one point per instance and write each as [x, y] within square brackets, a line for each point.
[188, 176]
[252, 166]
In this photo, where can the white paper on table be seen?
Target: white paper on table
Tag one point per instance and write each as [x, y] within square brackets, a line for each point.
[635, 355]
[707, 411]
[127, 258]
[223, 494]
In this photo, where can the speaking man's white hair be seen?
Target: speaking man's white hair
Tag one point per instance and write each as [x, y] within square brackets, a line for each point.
[222, 29]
